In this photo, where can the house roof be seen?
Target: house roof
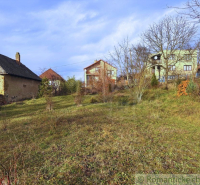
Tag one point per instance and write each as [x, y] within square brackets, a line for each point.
[11, 67]
[51, 75]
[98, 62]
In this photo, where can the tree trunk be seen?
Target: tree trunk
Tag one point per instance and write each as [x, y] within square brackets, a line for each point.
[166, 79]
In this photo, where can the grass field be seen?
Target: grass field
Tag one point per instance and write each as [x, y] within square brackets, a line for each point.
[103, 143]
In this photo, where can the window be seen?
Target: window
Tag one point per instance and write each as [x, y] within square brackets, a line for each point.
[187, 57]
[187, 68]
[172, 67]
[110, 72]
[97, 69]
[171, 77]
[172, 57]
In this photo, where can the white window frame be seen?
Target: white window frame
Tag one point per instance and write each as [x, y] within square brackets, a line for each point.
[172, 68]
[110, 72]
[187, 67]
[187, 57]
[172, 57]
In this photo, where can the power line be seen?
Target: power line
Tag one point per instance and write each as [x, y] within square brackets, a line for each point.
[72, 63]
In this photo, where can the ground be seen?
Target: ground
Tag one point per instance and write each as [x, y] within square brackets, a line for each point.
[100, 143]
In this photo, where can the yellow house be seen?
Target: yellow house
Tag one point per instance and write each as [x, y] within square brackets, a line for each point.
[100, 70]
[181, 63]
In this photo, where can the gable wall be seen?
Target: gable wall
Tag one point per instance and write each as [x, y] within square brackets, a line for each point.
[103, 66]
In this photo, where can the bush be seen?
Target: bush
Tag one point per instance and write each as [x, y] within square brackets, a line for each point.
[154, 81]
[45, 89]
[93, 100]
[71, 85]
[122, 100]
[192, 87]
[63, 87]
[182, 88]
[79, 93]
[178, 82]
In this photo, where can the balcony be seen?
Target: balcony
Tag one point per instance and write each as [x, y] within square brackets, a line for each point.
[155, 62]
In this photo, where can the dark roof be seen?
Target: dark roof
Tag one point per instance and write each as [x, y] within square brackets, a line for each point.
[51, 75]
[11, 67]
[98, 62]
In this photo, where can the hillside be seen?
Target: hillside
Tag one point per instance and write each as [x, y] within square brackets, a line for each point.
[100, 143]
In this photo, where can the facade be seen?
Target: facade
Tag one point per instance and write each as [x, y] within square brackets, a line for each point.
[100, 70]
[54, 78]
[180, 64]
[17, 82]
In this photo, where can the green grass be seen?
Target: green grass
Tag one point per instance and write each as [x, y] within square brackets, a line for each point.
[100, 143]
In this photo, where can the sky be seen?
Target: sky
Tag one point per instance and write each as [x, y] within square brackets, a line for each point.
[68, 36]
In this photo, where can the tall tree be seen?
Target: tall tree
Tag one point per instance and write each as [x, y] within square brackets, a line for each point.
[120, 57]
[190, 9]
[139, 65]
[170, 37]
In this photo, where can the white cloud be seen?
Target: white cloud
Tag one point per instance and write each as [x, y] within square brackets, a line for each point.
[71, 32]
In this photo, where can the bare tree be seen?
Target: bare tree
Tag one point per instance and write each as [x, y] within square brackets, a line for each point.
[139, 65]
[170, 38]
[191, 9]
[120, 57]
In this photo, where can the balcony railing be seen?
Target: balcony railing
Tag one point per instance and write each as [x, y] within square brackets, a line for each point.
[154, 62]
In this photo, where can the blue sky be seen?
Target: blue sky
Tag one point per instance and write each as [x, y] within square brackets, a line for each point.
[69, 35]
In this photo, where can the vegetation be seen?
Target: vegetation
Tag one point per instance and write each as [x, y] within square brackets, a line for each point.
[192, 87]
[154, 80]
[79, 93]
[71, 85]
[45, 89]
[99, 143]
[182, 88]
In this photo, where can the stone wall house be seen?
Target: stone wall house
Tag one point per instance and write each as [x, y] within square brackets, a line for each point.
[17, 82]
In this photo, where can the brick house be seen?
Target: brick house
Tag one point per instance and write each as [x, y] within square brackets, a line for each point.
[17, 82]
[54, 79]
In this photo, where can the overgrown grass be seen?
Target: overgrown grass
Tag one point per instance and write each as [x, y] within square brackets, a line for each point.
[100, 143]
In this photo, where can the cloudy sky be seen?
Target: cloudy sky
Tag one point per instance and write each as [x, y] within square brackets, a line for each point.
[69, 35]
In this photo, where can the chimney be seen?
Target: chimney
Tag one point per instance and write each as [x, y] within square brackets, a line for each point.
[95, 61]
[17, 57]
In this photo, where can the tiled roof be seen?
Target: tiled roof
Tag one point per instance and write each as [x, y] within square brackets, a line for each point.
[97, 62]
[11, 67]
[51, 75]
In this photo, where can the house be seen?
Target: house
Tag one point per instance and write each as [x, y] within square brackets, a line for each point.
[100, 70]
[54, 79]
[17, 82]
[182, 63]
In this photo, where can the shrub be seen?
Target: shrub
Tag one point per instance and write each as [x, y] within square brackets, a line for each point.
[177, 82]
[64, 90]
[93, 100]
[192, 87]
[154, 81]
[122, 100]
[45, 89]
[182, 88]
[79, 93]
[71, 85]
